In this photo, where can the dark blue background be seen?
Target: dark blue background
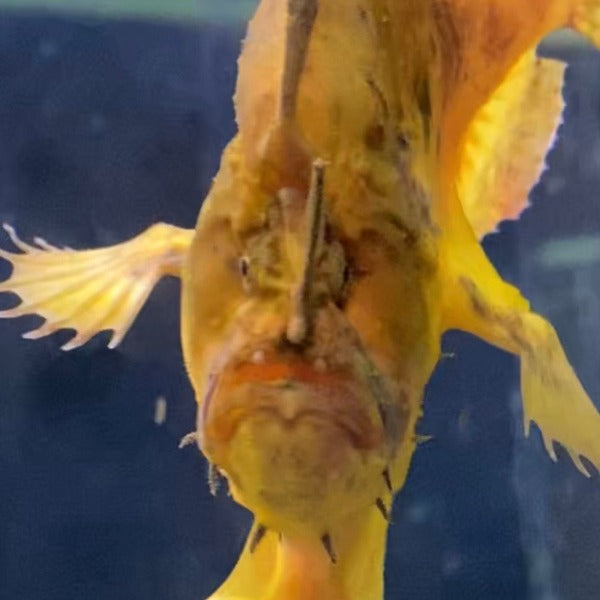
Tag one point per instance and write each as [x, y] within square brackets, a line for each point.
[106, 127]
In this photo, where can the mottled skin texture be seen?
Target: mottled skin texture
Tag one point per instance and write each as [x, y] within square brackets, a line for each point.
[387, 90]
[377, 210]
[309, 367]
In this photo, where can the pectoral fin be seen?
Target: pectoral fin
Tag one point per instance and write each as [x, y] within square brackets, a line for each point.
[552, 395]
[91, 290]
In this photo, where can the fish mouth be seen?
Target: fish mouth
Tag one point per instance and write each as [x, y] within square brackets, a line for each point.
[289, 391]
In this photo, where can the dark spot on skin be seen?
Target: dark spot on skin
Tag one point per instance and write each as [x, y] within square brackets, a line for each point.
[382, 414]
[402, 141]
[244, 266]
[423, 97]
[410, 236]
[379, 503]
[257, 536]
[449, 41]
[477, 303]
[347, 274]
[509, 321]
[328, 545]
[422, 94]
[380, 96]
[374, 137]
[388, 480]
[394, 412]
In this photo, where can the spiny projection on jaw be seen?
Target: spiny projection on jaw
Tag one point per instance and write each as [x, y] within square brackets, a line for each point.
[300, 318]
[188, 439]
[214, 478]
[388, 480]
[422, 439]
[301, 18]
[259, 533]
[380, 504]
[328, 545]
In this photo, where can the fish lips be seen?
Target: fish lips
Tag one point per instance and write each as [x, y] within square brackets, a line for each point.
[289, 391]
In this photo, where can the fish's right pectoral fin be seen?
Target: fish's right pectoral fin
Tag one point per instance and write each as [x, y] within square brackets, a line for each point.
[91, 290]
[552, 394]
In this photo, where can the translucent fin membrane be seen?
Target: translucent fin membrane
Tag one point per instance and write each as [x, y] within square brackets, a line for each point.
[90, 290]
[554, 398]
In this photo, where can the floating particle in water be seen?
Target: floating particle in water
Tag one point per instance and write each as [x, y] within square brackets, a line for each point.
[48, 49]
[160, 410]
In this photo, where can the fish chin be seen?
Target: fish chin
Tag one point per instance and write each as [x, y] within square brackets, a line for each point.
[297, 453]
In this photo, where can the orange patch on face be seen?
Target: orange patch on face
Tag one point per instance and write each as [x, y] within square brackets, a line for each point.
[289, 389]
[292, 370]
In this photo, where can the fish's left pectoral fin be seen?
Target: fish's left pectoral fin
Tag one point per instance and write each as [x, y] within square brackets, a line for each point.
[552, 395]
[91, 290]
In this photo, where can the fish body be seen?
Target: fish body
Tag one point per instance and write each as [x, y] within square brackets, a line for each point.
[339, 241]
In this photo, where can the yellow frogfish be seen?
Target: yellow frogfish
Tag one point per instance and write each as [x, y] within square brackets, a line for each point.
[378, 141]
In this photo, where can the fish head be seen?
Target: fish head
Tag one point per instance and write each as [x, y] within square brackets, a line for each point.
[299, 419]
[302, 433]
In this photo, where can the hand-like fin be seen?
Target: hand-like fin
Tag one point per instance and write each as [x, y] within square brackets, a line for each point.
[552, 395]
[91, 290]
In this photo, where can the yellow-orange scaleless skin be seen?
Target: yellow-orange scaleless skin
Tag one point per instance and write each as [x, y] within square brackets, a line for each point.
[386, 96]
